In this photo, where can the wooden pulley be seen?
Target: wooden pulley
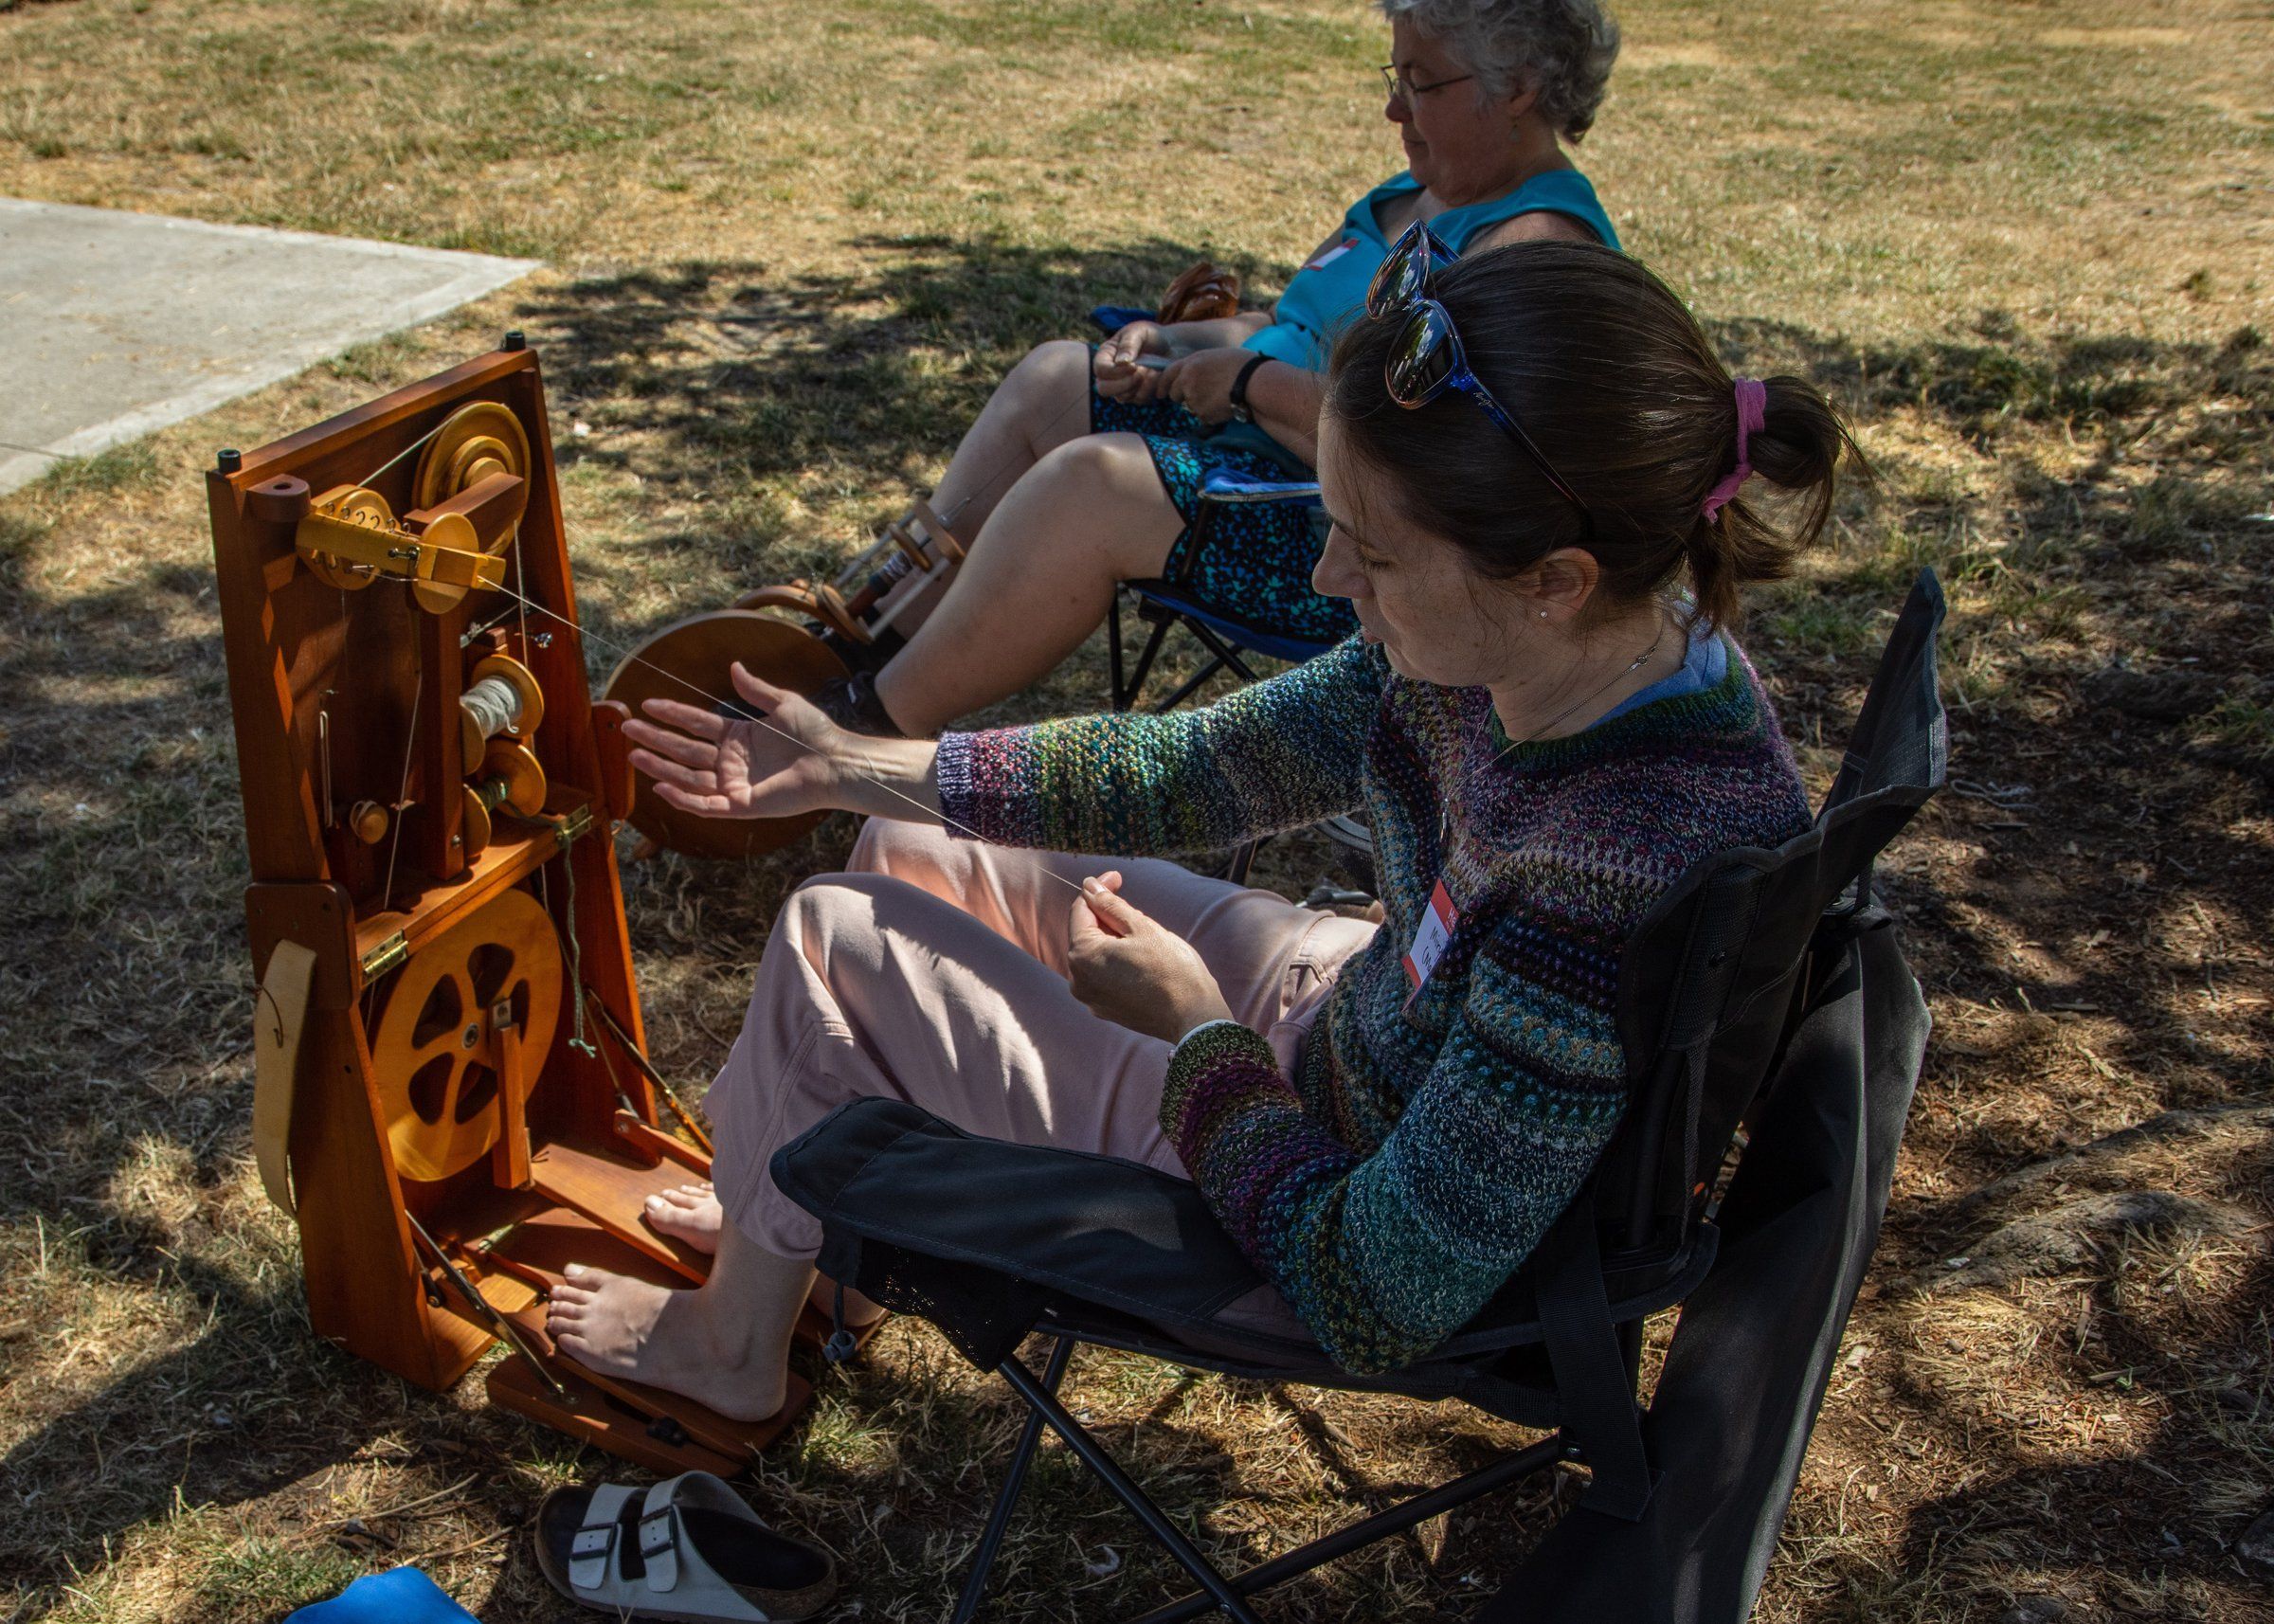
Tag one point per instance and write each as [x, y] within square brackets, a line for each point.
[521, 713]
[467, 1023]
[509, 776]
[691, 662]
[359, 506]
[475, 441]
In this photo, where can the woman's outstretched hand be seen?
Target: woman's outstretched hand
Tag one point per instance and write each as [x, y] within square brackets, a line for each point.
[1129, 970]
[705, 763]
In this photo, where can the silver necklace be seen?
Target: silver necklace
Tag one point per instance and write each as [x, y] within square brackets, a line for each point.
[1445, 807]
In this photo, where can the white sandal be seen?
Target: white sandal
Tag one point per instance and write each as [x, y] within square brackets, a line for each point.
[690, 1551]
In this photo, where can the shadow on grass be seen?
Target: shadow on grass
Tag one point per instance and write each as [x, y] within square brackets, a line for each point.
[121, 855]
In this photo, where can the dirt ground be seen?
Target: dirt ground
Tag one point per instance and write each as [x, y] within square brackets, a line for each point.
[2028, 248]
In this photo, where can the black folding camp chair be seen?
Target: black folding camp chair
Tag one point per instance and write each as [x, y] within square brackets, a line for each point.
[1750, 960]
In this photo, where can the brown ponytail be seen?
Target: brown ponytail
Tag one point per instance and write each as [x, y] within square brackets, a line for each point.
[1614, 380]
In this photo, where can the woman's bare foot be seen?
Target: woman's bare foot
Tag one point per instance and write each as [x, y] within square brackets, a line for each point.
[690, 1213]
[680, 1340]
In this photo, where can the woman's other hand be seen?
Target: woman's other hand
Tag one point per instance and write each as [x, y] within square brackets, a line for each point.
[1201, 382]
[1120, 375]
[705, 763]
[1129, 970]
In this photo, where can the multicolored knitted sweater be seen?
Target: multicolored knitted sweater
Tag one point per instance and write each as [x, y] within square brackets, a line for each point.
[1430, 1139]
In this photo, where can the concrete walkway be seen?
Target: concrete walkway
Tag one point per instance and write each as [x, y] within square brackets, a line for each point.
[115, 324]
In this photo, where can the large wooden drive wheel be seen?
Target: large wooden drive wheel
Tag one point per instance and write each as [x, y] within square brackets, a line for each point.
[691, 662]
[437, 1048]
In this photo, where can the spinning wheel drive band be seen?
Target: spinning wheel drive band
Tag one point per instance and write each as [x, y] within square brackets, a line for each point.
[438, 1044]
[691, 662]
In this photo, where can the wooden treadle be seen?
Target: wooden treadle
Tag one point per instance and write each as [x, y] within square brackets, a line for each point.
[537, 1251]
[612, 1192]
[613, 1405]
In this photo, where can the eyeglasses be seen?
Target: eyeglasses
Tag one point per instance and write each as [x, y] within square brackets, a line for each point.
[1404, 89]
[1426, 359]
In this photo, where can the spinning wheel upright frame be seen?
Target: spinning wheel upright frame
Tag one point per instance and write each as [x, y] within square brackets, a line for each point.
[451, 1092]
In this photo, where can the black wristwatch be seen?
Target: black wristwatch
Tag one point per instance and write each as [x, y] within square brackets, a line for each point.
[1240, 408]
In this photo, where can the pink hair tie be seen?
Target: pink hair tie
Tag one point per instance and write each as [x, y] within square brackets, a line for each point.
[1752, 411]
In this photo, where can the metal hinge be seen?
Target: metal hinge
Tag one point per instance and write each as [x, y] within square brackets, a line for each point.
[386, 956]
[575, 825]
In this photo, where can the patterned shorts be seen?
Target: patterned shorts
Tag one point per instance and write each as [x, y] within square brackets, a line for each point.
[1254, 561]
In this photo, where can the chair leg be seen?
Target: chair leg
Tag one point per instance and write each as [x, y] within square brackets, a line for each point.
[1014, 1481]
[1127, 699]
[1404, 1515]
[1078, 1439]
[1226, 652]
[1117, 685]
[1190, 687]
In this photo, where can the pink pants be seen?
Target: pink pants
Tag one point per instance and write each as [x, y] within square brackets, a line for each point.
[935, 971]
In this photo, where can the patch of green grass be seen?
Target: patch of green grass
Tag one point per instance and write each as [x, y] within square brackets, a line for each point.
[121, 468]
[2241, 725]
[260, 1579]
[18, 536]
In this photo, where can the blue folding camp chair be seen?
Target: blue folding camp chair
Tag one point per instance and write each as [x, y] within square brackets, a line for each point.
[1166, 604]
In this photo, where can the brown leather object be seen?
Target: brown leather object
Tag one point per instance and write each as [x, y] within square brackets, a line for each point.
[1203, 293]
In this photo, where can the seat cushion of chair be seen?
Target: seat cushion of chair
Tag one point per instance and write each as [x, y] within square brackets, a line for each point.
[986, 1239]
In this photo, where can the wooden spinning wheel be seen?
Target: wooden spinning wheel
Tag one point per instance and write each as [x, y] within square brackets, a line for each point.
[408, 680]
[448, 1050]
[691, 662]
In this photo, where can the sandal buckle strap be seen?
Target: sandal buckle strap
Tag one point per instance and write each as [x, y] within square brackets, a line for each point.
[591, 1556]
[660, 1547]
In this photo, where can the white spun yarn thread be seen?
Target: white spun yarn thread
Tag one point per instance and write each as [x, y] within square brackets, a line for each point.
[494, 704]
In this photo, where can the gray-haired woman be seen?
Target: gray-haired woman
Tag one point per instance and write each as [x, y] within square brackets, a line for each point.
[1062, 504]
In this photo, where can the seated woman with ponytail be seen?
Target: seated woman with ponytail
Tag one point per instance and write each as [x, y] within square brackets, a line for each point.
[1536, 466]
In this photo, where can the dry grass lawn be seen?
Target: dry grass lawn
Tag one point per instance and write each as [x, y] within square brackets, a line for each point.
[2029, 246]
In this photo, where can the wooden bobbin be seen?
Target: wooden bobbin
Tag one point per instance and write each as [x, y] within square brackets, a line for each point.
[527, 712]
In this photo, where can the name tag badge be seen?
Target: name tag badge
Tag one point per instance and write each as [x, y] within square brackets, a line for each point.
[1430, 939]
[1321, 261]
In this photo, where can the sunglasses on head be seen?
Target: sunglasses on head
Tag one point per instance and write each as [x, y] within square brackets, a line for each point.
[1426, 358]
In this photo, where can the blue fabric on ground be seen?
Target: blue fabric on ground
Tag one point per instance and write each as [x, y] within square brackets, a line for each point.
[1111, 318]
[403, 1596]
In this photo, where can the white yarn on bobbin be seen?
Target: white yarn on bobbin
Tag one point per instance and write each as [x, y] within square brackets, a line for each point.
[494, 705]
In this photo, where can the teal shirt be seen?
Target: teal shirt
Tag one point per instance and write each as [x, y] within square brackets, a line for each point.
[1332, 289]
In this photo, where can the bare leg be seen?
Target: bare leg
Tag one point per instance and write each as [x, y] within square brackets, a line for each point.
[1041, 404]
[725, 1344]
[1039, 578]
[691, 1213]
